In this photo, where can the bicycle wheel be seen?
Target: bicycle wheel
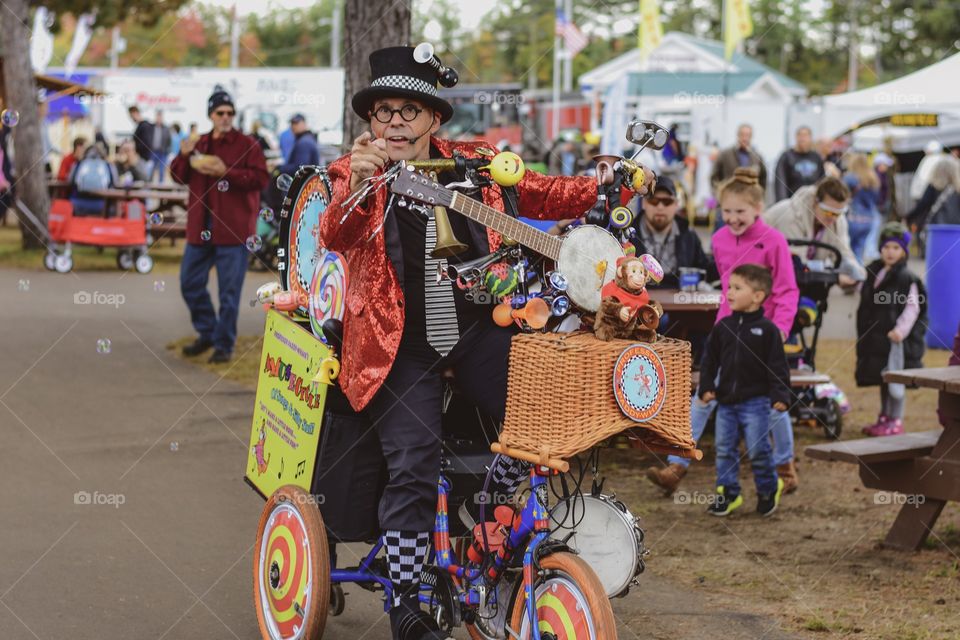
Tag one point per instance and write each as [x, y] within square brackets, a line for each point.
[291, 568]
[571, 602]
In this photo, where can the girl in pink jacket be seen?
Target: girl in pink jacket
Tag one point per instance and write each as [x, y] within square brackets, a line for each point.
[746, 239]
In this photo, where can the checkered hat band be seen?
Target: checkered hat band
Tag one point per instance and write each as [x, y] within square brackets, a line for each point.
[405, 82]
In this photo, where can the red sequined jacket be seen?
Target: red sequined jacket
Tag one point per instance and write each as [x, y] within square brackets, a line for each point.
[373, 322]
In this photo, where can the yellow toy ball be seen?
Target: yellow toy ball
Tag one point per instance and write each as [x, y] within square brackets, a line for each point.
[639, 178]
[506, 168]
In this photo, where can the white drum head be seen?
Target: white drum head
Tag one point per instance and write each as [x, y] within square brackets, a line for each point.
[604, 537]
[588, 260]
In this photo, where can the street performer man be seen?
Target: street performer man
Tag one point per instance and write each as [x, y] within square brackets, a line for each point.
[392, 355]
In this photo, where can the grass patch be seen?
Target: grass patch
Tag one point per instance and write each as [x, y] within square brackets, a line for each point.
[243, 368]
[166, 259]
[816, 624]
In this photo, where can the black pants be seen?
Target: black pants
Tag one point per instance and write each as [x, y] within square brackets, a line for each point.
[407, 411]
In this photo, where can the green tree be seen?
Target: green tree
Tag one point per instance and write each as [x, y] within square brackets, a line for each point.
[294, 38]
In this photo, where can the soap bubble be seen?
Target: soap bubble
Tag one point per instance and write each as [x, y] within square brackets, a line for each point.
[205, 235]
[156, 218]
[9, 117]
[266, 214]
[223, 185]
[103, 345]
[254, 243]
[159, 286]
[23, 285]
[174, 446]
[284, 182]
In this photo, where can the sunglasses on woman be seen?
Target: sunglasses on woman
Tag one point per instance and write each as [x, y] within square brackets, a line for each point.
[832, 212]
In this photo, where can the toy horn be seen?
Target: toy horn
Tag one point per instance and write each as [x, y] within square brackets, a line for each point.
[535, 314]
[423, 53]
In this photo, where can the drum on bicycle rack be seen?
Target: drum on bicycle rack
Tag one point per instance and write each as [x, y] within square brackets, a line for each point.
[606, 535]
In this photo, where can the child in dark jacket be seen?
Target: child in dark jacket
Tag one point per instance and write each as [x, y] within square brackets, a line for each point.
[891, 322]
[747, 350]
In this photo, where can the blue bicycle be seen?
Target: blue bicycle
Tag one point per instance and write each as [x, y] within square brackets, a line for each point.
[510, 581]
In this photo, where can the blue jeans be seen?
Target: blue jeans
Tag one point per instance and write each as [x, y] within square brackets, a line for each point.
[158, 165]
[231, 263]
[750, 420]
[859, 226]
[780, 427]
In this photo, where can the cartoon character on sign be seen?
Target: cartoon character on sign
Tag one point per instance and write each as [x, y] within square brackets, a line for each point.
[645, 380]
[258, 451]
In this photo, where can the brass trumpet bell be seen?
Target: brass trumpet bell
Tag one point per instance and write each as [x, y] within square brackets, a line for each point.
[447, 244]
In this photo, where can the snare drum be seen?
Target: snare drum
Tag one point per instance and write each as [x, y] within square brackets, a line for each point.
[606, 535]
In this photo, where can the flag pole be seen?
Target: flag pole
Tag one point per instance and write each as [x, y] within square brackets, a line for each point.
[556, 74]
[726, 63]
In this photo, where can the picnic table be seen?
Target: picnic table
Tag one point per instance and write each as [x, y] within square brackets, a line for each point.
[138, 186]
[689, 311]
[924, 467]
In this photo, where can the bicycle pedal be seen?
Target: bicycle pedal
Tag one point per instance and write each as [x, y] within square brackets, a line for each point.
[445, 603]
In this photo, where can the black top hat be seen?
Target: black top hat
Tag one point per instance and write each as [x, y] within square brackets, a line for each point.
[395, 74]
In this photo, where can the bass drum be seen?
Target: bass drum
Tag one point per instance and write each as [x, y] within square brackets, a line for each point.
[300, 249]
[606, 536]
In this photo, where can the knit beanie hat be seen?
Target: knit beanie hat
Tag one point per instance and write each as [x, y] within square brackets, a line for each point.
[218, 99]
[895, 232]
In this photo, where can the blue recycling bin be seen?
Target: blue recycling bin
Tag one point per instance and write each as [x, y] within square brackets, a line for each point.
[943, 295]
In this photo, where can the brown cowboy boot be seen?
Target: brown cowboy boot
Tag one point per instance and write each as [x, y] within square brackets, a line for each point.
[667, 478]
[788, 472]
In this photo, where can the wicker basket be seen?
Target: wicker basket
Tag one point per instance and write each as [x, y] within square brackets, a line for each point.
[560, 398]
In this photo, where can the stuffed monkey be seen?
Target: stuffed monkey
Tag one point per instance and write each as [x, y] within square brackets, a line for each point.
[625, 309]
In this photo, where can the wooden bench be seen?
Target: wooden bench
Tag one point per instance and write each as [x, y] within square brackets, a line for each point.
[924, 465]
[872, 450]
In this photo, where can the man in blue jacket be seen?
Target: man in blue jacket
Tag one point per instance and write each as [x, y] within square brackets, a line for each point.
[305, 150]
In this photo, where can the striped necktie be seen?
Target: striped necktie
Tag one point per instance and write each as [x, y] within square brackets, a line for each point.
[441, 312]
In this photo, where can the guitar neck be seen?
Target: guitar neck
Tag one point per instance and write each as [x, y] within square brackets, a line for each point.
[530, 237]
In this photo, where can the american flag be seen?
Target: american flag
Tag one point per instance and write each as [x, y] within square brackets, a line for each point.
[573, 39]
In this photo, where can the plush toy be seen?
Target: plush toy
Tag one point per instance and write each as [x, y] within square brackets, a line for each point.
[625, 308]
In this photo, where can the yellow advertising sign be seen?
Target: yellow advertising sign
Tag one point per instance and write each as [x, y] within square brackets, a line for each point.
[288, 409]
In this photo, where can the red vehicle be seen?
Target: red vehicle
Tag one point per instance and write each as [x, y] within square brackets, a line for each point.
[128, 233]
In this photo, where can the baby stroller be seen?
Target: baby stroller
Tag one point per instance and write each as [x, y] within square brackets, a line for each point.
[819, 401]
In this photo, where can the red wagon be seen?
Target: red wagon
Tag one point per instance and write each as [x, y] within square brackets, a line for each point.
[127, 232]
